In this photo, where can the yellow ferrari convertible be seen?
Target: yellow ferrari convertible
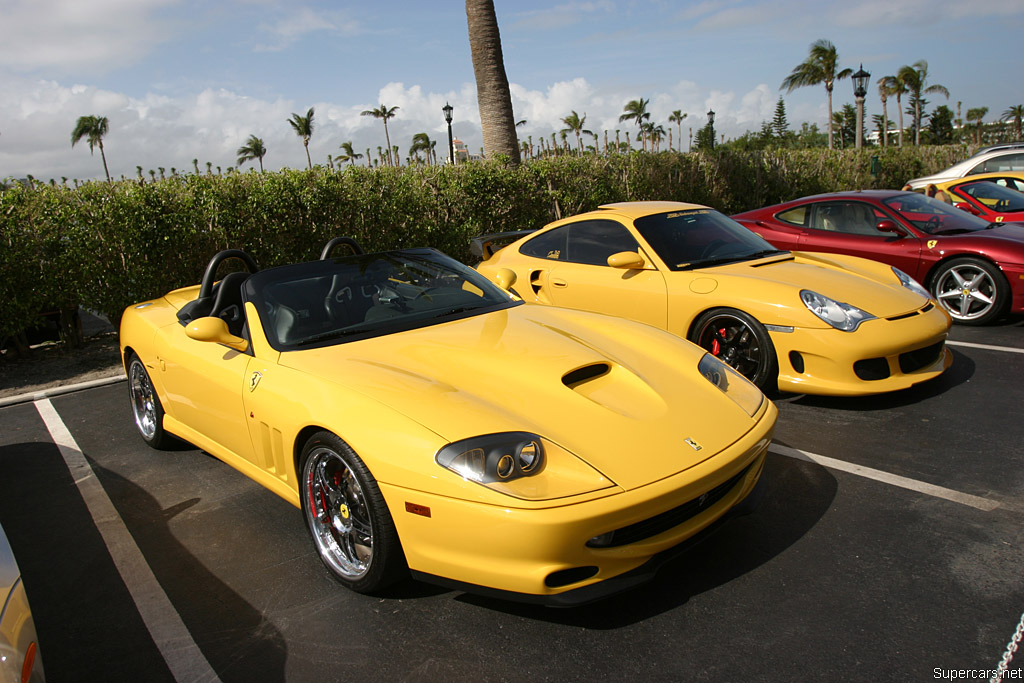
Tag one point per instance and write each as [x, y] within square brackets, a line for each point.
[428, 422]
[807, 323]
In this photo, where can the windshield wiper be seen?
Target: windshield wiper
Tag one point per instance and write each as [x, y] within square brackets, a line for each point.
[334, 334]
[736, 258]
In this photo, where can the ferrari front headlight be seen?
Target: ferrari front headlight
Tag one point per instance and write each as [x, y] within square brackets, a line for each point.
[839, 315]
[731, 383]
[910, 283]
[509, 462]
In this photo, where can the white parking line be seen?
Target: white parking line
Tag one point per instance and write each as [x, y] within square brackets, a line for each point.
[988, 347]
[976, 502]
[184, 658]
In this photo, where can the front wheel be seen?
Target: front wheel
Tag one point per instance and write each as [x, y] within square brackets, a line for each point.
[348, 519]
[736, 338]
[146, 408]
[972, 290]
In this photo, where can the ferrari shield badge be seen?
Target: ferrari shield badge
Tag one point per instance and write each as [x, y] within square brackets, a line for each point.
[932, 243]
[254, 380]
[693, 444]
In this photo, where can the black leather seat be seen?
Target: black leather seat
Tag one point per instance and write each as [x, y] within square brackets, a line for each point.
[227, 302]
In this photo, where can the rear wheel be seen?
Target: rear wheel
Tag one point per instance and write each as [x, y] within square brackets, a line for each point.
[347, 517]
[972, 290]
[736, 338]
[146, 408]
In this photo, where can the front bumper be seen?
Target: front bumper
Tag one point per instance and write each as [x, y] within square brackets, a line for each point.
[542, 556]
[885, 354]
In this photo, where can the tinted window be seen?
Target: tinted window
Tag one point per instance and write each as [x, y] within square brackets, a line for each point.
[849, 217]
[592, 242]
[794, 216]
[932, 216]
[700, 238]
[549, 245]
[1005, 162]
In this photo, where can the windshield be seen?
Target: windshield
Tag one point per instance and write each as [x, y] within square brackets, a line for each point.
[995, 197]
[932, 216]
[322, 303]
[700, 238]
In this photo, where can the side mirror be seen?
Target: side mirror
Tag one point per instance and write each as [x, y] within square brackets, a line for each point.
[888, 225]
[626, 260]
[964, 206]
[505, 278]
[212, 329]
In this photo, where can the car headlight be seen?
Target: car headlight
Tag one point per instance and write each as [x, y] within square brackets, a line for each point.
[911, 284]
[731, 383]
[839, 315]
[509, 463]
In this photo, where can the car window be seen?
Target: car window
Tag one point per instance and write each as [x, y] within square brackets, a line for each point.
[547, 245]
[995, 197]
[1012, 183]
[999, 164]
[795, 216]
[327, 302]
[847, 217]
[592, 242]
[932, 216]
[700, 238]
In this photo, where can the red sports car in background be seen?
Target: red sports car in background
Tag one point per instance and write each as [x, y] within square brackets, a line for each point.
[996, 197]
[973, 267]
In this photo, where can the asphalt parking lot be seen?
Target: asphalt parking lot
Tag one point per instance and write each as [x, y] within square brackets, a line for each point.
[888, 547]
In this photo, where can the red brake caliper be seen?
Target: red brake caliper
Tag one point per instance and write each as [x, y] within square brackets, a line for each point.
[716, 348]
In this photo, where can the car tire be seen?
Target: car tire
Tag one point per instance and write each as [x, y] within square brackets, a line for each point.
[146, 407]
[351, 527]
[738, 339]
[972, 290]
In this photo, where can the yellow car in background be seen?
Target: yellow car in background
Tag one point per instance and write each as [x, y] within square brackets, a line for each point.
[808, 323]
[995, 197]
[428, 422]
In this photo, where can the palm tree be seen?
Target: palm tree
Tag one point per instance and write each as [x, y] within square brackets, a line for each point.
[303, 126]
[93, 128]
[677, 117]
[915, 78]
[252, 149]
[421, 142]
[574, 124]
[886, 88]
[977, 114]
[819, 67]
[497, 122]
[383, 112]
[350, 154]
[1015, 114]
[655, 133]
[636, 111]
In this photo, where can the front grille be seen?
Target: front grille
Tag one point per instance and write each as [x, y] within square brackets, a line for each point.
[922, 358]
[872, 369]
[669, 519]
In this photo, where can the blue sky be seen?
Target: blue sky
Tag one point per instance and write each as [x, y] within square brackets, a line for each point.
[185, 79]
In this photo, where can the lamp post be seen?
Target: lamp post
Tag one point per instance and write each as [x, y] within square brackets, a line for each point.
[447, 109]
[860, 89]
[711, 126]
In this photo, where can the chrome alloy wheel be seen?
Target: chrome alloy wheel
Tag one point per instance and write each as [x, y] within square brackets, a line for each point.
[337, 513]
[732, 340]
[143, 399]
[967, 291]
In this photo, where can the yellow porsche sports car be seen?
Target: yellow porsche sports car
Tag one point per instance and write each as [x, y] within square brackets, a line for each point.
[810, 323]
[426, 420]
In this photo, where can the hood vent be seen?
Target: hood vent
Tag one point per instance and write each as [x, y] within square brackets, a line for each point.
[585, 374]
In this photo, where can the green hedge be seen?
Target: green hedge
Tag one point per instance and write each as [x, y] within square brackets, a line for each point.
[106, 246]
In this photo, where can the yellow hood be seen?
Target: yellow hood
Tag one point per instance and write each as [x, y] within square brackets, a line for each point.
[628, 413]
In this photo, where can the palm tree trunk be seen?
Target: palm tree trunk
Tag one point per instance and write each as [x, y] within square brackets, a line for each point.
[305, 143]
[829, 90]
[492, 92]
[104, 157]
[885, 126]
[899, 108]
[387, 139]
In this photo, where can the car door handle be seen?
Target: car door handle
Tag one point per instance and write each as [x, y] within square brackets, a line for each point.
[558, 282]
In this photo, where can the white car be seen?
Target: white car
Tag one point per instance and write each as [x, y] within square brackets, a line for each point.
[19, 649]
[993, 159]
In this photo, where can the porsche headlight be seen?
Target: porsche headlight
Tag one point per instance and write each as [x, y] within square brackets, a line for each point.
[910, 283]
[509, 463]
[494, 457]
[837, 314]
[731, 383]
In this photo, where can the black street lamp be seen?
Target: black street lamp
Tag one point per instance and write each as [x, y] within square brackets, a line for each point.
[860, 89]
[447, 109]
[711, 126]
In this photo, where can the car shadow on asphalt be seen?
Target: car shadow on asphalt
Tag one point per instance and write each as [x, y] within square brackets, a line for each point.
[960, 372]
[797, 495]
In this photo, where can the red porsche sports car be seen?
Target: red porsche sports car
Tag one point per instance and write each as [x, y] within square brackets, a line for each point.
[973, 267]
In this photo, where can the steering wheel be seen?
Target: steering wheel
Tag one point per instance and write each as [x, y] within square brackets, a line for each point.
[206, 288]
[932, 225]
[711, 247]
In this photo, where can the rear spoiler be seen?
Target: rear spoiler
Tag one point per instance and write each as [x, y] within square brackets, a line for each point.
[482, 246]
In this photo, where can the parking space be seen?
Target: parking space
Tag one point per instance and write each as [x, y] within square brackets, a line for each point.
[840, 574]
